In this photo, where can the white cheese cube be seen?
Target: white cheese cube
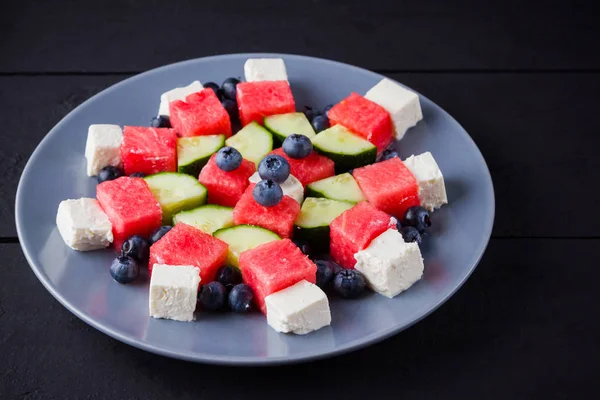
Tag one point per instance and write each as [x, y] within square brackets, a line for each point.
[174, 291]
[83, 224]
[179, 93]
[389, 265]
[402, 104]
[300, 309]
[432, 191]
[291, 187]
[103, 147]
[265, 69]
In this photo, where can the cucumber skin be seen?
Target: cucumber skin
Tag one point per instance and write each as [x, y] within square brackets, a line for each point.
[309, 192]
[317, 237]
[194, 168]
[346, 162]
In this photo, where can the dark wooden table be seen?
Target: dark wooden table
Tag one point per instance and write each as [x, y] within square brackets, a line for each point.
[523, 78]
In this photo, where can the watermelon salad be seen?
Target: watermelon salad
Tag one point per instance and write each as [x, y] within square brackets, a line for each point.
[232, 199]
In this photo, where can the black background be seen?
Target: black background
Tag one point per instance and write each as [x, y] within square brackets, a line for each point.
[523, 78]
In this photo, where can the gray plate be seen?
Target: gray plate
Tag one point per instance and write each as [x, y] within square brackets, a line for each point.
[81, 282]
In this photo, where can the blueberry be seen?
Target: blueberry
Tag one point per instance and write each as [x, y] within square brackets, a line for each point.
[418, 217]
[297, 146]
[349, 283]
[211, 85]
[162, 121]
[229, 87]
[410, 234]
[124, 269]
[310, 113]
[137, 175]
[240, 298]
[229, 276]
[325, 272]
[267, 193]
[228, 159]
[327, 108]
[398, 225]
[388, 153]
[231, 107]
[158, 233]
[212, 296]
[320, 123]
[302, 245]
[136, 247]
[109, 173]
[275, 168]
[220, 94]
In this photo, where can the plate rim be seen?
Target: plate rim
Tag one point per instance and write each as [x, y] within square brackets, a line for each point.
[243, 360]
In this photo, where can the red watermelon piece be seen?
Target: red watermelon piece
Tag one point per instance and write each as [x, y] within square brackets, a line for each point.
[354, 229]
[309, 169]
[274, 266]
[186, 245]
[279, 219]
[364, 117]
[149, 150]
[200, 114]
[257, 100]
[130, 206]
[225, 187]
[389, 185]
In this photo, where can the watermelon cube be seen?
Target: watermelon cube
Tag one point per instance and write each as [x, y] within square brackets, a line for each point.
[257, 100]
[389, 185]
[225, 187]
[365, 118]
[274, 266]
[130, 206]
[354, 229]
[279, 218]
[309, 169]
[186, 245]
[149, 150]
[200, 114]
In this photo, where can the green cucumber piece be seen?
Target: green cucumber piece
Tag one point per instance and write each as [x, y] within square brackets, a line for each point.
[253, 141]
[176, 192]
[341, 187]
[316, 214]
[193, 152]
[243, 237]
[283, 125]
[208, 218]
[345, 148]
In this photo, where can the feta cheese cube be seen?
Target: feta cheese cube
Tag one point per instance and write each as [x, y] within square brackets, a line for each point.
[179, 93]
[174, 291]
[402, 104]
[291, 187]
[83, 225]
[300, 309]
[389, 265]
[432, 191]
[265, 69]
[103, 147]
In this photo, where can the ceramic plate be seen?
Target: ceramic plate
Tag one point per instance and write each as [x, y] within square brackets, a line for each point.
[82, 283]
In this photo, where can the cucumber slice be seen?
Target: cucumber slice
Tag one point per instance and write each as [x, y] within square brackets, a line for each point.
[345, 148]
[283, 125]
[341, 187]
[243, 237]
[176, 192]
[312, 224]
[208, 218]
[193, 152]
[253, 141]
